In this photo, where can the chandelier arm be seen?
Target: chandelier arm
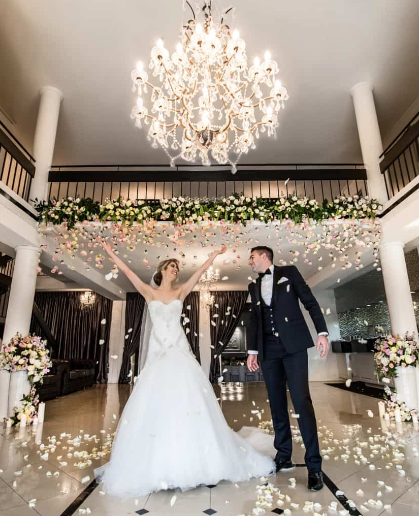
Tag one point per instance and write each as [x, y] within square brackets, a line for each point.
[169, 75]
[169, 99]
[154, 119]
[228, 62]
[225, 14]
[190, 7]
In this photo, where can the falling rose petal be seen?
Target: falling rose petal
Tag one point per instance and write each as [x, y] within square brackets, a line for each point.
[370, 413]
[101, 342]
[114, 357]
[85, 479]
[224, 278]
[173, 501]
[109, 276]
[103, 321]
[348, 383]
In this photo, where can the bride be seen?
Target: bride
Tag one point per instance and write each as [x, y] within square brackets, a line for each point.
[172, 432]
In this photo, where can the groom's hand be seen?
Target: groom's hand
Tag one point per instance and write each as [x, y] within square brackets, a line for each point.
[252, 362]
[322, 345]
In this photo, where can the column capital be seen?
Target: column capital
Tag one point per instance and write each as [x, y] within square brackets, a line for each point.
[46, 89]
[361, 85]
[28, 248]
[396, 243]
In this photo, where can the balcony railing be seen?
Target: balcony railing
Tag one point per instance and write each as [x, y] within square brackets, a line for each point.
[400, 163]
[147, 182]
[17, 166]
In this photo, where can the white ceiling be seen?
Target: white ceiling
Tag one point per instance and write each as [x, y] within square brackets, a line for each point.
[87, 48]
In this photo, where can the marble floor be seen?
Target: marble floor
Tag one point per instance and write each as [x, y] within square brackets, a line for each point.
[371, 467]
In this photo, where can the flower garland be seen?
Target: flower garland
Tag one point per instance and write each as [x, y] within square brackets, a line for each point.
[29, 354]
[393, 352]
[184, 210]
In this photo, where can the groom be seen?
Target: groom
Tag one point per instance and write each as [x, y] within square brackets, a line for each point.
[279, 338]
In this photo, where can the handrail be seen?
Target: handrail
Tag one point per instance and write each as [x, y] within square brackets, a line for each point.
[399, 135]
[17, 141]
[17, 154]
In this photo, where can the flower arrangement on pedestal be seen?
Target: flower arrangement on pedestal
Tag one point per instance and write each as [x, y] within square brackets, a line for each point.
[396, 358]
[28, 354]
[396, 408]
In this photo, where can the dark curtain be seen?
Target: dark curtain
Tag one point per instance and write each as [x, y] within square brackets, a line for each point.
[230, 306]
[77, 330]
[134, 311]
[192, 314]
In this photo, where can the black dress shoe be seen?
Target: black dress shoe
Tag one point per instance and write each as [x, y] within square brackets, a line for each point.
[284, 465]
[315, 480]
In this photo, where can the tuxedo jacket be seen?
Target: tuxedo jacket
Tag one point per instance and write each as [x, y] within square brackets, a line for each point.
[289, 288]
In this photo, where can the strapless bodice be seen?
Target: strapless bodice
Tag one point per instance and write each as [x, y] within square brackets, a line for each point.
[167, 331]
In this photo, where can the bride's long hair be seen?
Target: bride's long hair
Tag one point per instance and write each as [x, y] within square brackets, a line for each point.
[162, 267]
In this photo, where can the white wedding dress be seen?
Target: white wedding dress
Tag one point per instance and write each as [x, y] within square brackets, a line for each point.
[172, 432]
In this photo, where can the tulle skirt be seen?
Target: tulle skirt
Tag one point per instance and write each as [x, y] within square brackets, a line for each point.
[172, 434]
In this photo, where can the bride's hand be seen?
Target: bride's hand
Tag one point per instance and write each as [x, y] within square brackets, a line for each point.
[221, 251]
[106, 245]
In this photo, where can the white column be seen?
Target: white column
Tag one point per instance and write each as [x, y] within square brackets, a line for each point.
[370, 138]
[116, 340]
[204, 337]
[44, 141]
[396, 282]
[22, 291]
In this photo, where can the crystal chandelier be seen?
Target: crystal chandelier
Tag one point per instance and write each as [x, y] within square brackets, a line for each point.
[208, 281]
[208, 300]
[87, 299]
[210, 277]
[207, 98]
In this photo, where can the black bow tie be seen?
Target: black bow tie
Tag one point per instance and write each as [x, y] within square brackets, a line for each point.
[262, 274]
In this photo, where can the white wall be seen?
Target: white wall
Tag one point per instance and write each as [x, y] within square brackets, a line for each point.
[116, 340]
[324, 369]
[205, 339]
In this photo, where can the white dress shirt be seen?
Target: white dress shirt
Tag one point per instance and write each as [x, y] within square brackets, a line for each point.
[266, 289]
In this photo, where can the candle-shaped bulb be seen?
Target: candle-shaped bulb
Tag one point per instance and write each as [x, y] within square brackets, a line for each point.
[140, 66]
[267, 56]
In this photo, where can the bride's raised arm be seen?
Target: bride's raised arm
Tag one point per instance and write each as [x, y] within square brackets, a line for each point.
[187, 287]
[143, 288]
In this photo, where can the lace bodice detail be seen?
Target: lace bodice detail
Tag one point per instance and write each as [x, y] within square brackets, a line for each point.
[167, 331]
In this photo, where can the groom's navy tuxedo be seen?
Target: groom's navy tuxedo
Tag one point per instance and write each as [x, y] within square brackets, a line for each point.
[280, 336]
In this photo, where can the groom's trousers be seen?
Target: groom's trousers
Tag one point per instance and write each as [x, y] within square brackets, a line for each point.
[280, 367]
